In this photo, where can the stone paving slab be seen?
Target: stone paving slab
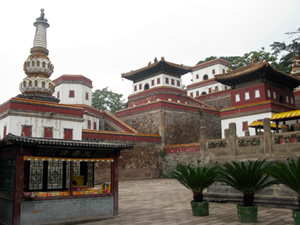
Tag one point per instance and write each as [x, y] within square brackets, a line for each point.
[166, 202]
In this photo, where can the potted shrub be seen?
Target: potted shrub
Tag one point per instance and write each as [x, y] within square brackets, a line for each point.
[289, 175]
[196, 179]
[247, 177]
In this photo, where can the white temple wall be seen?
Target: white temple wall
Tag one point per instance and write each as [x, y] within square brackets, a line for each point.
[239, 123]
[15, 123]
[82, 94]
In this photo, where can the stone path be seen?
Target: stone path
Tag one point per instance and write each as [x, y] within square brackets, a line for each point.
[165, 201]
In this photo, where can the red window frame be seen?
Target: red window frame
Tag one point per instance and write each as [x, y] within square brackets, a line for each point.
[140, 86]
[209, 90]
[173, 82]
[216, 88]
[89, 124]
[68, 134]
[192, 95]
[197, 93]
[86, 96]
[158, 81]
[135, 88]
[71, 94]
[245, 125]
[213, 71]
[58, 94]
[197, 76]
[152, 82]
[26, 131]
[95, 126]
[167, 80]
[48, 132]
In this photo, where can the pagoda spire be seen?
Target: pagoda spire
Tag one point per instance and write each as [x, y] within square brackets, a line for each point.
[38, 66]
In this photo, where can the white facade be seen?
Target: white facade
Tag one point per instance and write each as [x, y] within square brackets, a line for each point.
[206, 89]
[156, 81]
[239, 123]
[82, 94]
[208, 72]
[14, 125]
[90, 122]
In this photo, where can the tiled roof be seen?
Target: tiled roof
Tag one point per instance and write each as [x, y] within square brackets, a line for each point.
[257, 70]
[60, 143]
[153, 68]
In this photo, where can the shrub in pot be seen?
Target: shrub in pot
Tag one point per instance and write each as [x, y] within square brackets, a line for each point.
[196, 179]
[247, 177]
[289, 175]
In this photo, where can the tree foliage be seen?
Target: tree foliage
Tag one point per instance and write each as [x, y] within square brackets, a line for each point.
[280, 56]
[104, 99]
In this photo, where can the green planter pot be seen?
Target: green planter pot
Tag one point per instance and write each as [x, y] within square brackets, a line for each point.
[296, 215]
[247, 214]
[200, 208]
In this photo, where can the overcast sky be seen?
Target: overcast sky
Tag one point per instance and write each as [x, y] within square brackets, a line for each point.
[102, 39]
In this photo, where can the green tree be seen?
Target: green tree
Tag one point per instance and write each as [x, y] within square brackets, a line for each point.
[287, 51]
[105, 99]
[247, 58]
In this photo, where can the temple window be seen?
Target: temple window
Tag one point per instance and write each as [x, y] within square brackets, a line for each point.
[32, 63]
[86, 96]
[209, 90]
[172, 81]
[48, 132]
[146, 86]
[178, 83]
[68, 134]
[158, 81]
[135, 88]
[35, 83]
[24, 83]
[30, 83]
[140, 86]
[257, 94]
[197, 93]
[152, 82]
[237, 98]
[43, 84]
[38, 63]
[274, 94]
[43, 64]
[245, 125]
[203, 93]
[58, 94]
[213, 71]
[281, 99]
[167, 80]
[216, 88]
[26, 131]
[89, 124]
[197, 76]
[247, 95]
[223, 70]
[71, 94]
[95, 126]
[205, 77]
[191, 94]
[269, 93]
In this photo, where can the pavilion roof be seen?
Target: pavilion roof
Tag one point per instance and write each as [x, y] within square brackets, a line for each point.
[53, 147]
[157, 67]
[255, 71]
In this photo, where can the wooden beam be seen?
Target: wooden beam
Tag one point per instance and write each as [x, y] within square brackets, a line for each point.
[115, 182]
[18, 187]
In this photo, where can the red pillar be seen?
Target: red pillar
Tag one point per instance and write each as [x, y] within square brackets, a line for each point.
[18, 187]
[115, 182]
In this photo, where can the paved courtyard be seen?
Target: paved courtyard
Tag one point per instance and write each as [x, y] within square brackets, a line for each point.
[165, 201]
